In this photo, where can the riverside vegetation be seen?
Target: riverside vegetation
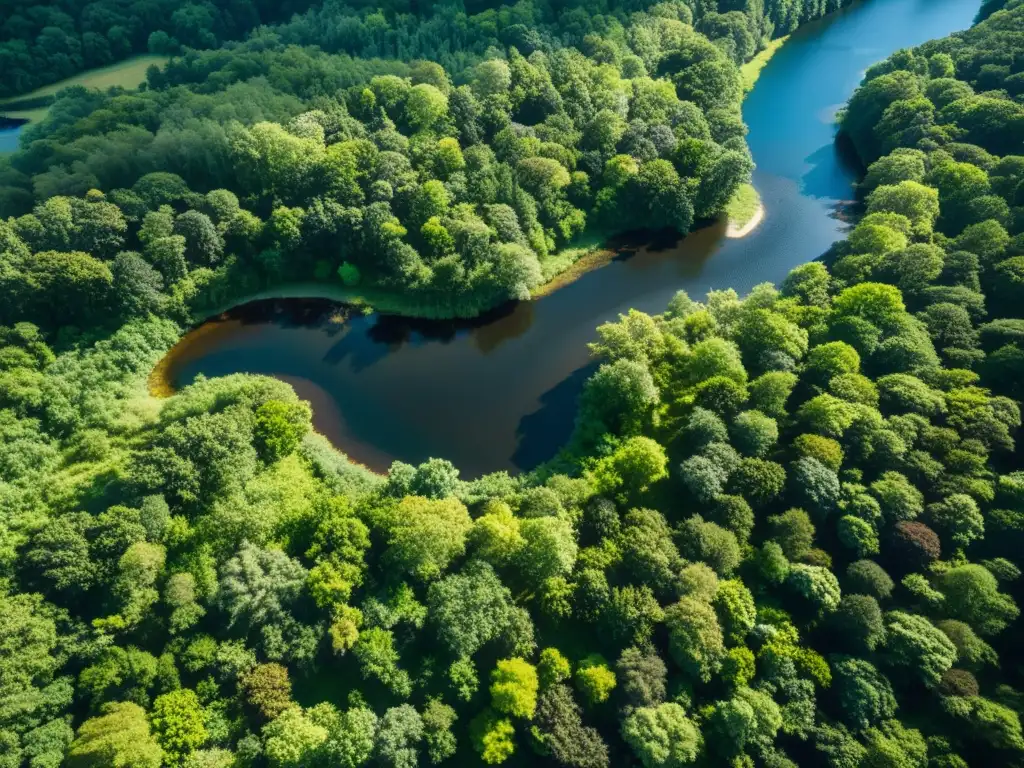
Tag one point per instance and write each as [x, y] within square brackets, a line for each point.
[453, 189]
[787, 528]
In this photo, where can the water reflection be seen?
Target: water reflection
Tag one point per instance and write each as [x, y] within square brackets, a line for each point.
[499, 392]
[540, 433]
[831, 168]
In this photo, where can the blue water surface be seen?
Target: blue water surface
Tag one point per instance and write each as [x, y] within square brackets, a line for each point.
[9, 139]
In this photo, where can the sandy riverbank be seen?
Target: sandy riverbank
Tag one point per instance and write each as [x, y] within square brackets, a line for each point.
[735, 232]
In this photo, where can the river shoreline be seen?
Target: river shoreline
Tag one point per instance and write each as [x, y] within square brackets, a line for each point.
[377, 300]
[500, 392]
[735, 232]
[751, 71]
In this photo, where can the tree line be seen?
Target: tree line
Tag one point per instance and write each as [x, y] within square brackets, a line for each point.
[45, 43]
[457, 33]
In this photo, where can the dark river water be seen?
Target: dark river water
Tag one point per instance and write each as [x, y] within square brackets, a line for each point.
[499, 392]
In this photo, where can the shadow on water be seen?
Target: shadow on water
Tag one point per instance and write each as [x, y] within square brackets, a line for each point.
[831, 168]
[499, 392]
[541, 434]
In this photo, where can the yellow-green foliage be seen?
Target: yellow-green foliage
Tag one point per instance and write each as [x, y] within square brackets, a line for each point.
[751, 70]
[743, 205]
[514, 688]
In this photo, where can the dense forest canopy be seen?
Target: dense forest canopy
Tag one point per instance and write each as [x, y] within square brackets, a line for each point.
[290, 163]
[364, 164]
[42, 44]
[786, 531]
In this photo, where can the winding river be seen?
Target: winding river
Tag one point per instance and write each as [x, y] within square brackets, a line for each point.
[499, 392]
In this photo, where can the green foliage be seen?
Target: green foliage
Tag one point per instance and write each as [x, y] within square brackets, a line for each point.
[750, 720]
[492, 737]
[619, 398]
[120, 736]
[553, 667]
[734, 605]
[514, 686]
[394, 180]
[549, 548]
[738, 667]
[993, 724]
[438, 719]
[972, 595]
[972, 652]
[595, 680]
[858, 535]
[838, 747]
[959, 518]
[758, 481]
[865, 695]
[893, 744]
[642, 675]
[463, 677]
[695, 638]
[754, 433]
[816, 585]
[914, 642]
[279, 427]
[793, 531]
[178, 724]
[292, 738]
[267, 689]
[711, 544]
[858, 621]
[560, 730]
[662, 736]
[426, 535]
[257, 586]
[470, 609]
[172, 570]
[378, 658]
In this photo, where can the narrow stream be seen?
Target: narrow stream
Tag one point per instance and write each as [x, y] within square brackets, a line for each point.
[499, 392]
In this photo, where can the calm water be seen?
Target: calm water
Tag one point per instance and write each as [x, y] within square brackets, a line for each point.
[500, 392]
[9, 139]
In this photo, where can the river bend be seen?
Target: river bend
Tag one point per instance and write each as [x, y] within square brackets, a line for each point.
[499, 392]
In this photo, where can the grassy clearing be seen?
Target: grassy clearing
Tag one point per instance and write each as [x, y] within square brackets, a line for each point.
[555, 264]
[743, 206]
[129, 73]
[32, 115]
[583, 261]
[586, 252]
[750, 71]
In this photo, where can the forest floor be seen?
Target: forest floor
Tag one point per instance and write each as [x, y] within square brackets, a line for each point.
[750, 71]
[129, 74]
